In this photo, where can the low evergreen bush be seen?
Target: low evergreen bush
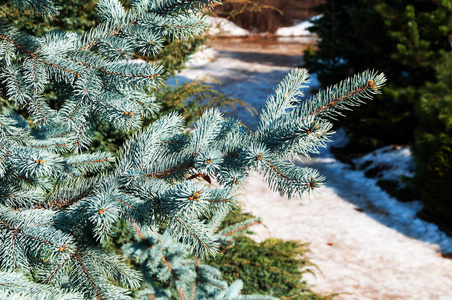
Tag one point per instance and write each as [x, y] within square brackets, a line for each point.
[405, 39]
[433, 146]
[271, 267]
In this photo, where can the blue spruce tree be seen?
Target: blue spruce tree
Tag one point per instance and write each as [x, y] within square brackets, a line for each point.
[59, 201]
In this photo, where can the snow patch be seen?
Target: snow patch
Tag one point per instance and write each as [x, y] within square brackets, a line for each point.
[391, 162]
[203, 56]
[300, 29]
[223, 27]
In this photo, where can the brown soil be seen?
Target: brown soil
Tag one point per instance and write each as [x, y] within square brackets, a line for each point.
[268, 45]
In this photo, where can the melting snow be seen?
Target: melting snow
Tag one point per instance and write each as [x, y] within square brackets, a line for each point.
[223, 27]
[300, 29]
[202, 57]
[384, 159]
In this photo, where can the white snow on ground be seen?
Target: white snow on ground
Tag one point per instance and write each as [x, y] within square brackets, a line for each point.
[222, 27]
[366, 244]
[225, 28]
[356, 254]
[300, 29]
[202, 57]
[384, 159]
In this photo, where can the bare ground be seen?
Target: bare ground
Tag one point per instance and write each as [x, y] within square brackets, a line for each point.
[268, 45]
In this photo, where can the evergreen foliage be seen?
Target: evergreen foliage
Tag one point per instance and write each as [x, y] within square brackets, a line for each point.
[59, 202]
[79, 16]
[433, 146]
[271, 267]
[191, 99]
[404, 39]
[73, 15]
[168, 262]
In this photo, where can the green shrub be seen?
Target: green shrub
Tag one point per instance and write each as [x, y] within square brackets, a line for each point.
[405, 39]
[435, 115]
[271, 267]
[433, 146]
[436, 189]
[404, 193]
[74, 15]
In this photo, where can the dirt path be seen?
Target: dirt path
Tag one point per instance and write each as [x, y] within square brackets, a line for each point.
[270, 45]
[366, 245]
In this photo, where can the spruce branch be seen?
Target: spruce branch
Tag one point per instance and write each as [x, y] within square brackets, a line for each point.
[162, 7]
[15, 198]
[27, 45]
[342, 96]
[111, 11]
[174, 275]
[285, 97]
[15, 284]
[173, 28]
[192, 232]
[46, 8]
[290, 126]
[58, 145]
